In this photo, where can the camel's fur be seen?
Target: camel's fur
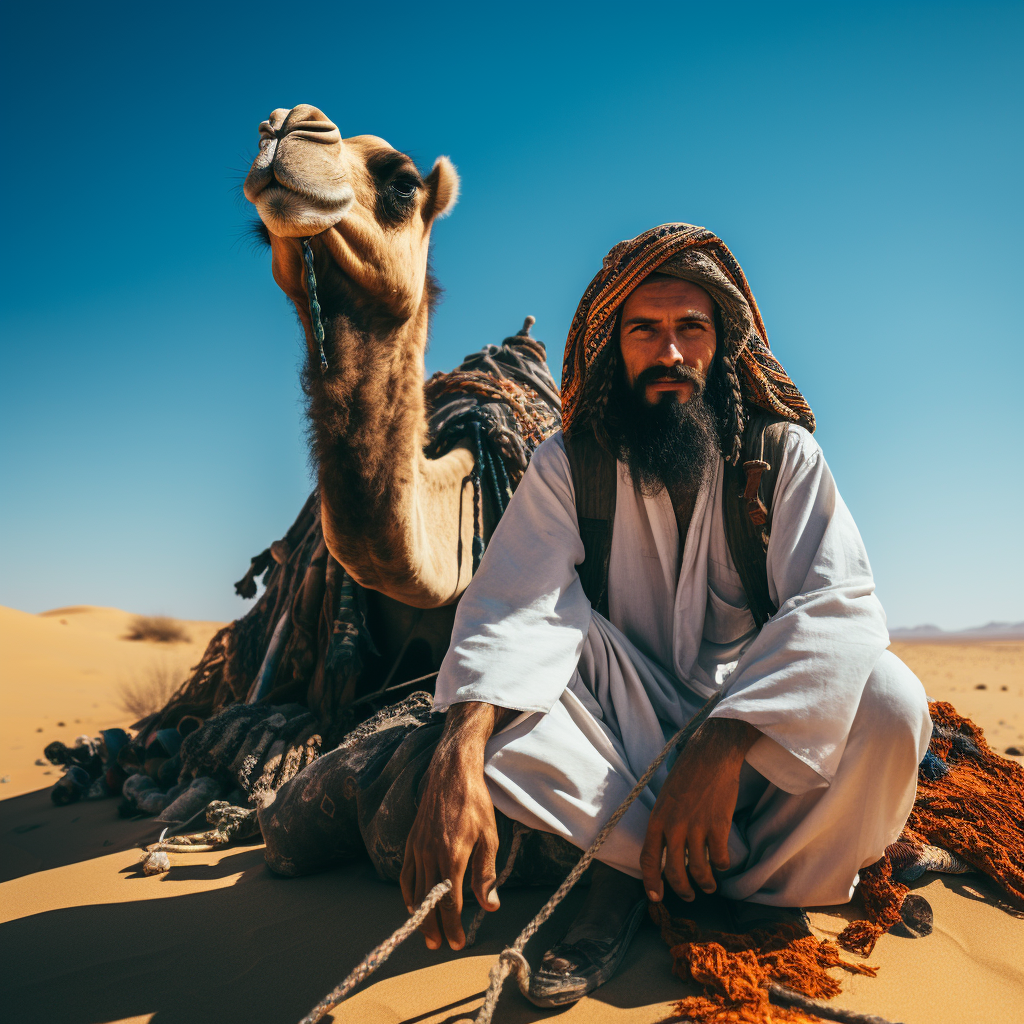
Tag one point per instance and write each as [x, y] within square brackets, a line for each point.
[399, 523]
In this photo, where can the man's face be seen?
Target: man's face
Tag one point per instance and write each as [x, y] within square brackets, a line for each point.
[667, 333]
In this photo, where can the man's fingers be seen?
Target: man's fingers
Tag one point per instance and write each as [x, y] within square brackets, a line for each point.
[718, 846]
[675, 867]
[484, 870]
[417, 882]
[407, 880]
[426, 879]
[700, 869]
[451, 910]
[650, 862]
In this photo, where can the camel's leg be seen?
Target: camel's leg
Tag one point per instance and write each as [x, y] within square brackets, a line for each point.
[310, 824]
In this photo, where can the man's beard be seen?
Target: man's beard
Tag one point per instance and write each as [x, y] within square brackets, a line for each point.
[669, 444]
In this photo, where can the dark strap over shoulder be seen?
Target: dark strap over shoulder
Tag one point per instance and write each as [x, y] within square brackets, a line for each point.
[747, 493]
[748, 490]
[594, 480]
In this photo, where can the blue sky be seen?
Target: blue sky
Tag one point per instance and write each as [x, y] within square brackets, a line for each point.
[862, 161]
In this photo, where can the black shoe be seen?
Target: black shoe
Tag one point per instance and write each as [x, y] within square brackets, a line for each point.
[745, 917]
[595, 960]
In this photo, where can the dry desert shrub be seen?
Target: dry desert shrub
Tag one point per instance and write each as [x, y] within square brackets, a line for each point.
[158, 628]
[144, 697]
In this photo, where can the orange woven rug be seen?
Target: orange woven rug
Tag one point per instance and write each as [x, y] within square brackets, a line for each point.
[970, 803]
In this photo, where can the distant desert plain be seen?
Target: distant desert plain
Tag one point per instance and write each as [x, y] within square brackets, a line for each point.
[87, 939]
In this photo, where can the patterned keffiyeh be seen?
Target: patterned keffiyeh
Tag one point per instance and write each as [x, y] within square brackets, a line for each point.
[695, 254]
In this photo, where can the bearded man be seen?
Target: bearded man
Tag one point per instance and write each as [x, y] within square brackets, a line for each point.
[681, 539]
[806, 769]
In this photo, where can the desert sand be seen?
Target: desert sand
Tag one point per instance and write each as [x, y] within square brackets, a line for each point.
[86, 939]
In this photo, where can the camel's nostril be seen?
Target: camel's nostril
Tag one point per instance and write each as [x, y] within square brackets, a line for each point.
[311, 131]
[315, 126]
[310, 120]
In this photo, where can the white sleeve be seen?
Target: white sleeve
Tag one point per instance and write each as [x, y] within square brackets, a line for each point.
[521, 623]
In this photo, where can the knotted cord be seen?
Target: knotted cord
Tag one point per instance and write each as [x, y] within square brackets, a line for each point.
[314, 303]
[486, 468]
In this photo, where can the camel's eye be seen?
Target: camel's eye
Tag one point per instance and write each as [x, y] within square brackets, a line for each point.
[396, 194]
[404, 188]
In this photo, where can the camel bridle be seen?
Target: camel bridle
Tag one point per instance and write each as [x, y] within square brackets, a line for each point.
[314, 303]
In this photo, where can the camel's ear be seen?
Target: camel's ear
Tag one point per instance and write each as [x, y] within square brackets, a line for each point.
[442, 188]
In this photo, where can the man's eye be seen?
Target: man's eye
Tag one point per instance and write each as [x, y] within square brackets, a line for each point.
[403, 188]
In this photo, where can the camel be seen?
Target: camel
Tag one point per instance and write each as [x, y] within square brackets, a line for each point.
[393, 518]
[361, 591]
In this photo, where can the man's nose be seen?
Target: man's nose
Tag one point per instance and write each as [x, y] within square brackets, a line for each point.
[670, 352]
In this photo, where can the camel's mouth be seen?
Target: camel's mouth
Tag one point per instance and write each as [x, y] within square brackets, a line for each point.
[292, 212]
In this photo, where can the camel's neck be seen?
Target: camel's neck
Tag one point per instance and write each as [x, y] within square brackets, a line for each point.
[367, 411]
[384, 504]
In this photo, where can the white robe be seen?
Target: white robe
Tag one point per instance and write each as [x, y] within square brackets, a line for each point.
[832, 778]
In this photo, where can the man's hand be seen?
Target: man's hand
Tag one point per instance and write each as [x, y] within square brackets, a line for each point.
[693, 813]
[455, 824]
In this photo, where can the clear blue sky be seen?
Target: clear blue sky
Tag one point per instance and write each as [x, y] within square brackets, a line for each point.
[862, 161]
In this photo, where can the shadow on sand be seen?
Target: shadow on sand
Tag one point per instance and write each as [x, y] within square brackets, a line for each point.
[263, 949]
[35, 835]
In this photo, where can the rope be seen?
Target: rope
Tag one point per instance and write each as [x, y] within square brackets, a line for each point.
[486, 469]
[492, 476]
[377, 694]
[314, 304]
[376, 957]
[489, 467]
[785, 996]
[476, 475]
[512, 956]
[228, 822]
[506, 484]
[519, 831]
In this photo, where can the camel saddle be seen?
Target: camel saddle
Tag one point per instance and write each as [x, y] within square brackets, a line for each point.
[747, 493]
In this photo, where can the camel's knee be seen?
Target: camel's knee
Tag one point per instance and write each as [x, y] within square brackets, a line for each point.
[284, 854]
[893, 712]
[310, 823]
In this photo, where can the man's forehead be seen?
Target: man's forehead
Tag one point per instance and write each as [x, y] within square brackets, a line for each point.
[666, 291]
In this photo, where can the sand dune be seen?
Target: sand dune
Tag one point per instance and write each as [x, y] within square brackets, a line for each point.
[61, 674]
[84, 939]
[984, 681]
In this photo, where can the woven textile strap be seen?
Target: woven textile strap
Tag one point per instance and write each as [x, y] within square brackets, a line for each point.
[595, 478]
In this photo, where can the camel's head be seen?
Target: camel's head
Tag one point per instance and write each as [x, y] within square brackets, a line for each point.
[364, 201]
